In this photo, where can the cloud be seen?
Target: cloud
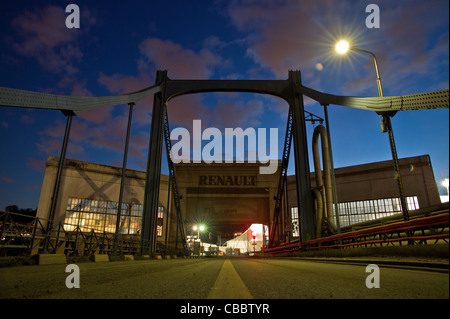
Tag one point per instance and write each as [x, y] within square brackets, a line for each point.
[227, 110]
[38, 165]
[156, 54]
[239, 113]
[7, 180]
[27, 119]
[181, 62]
[43, 35]
[286, 35]
[103, 129]
[416, 40]
[42, 30]
[96, 131]
[184, 109]
[121, 84]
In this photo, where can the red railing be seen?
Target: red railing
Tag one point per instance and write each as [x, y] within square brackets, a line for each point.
[431, 228]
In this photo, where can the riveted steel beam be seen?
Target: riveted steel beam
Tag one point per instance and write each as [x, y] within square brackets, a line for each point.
[419, 101]
[75, 104]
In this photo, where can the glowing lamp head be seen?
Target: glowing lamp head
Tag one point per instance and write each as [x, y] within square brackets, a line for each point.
[342, 47]
[201, 228]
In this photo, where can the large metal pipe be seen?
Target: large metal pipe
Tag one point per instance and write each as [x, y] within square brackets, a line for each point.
[323, 183]
[319, 211]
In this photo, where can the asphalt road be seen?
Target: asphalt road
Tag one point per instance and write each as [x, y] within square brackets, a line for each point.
[221, 278]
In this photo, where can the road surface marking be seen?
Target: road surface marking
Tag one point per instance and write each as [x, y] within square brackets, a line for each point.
[229, 284]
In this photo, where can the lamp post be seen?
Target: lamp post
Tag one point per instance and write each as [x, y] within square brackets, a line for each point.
[343, 47]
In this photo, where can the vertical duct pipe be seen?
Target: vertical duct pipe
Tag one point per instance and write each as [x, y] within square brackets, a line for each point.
[323, 182]
[319, 211]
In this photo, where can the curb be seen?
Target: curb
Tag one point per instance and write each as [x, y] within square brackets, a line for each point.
[438, 266]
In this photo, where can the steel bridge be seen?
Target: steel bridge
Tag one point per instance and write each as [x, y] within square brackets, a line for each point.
[43, 235]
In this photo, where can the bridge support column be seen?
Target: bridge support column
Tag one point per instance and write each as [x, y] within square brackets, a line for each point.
[122, 180]
[54, 202]
[304, 194]
[151, 195]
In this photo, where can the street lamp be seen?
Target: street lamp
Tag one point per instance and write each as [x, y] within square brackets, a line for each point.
[343, 47]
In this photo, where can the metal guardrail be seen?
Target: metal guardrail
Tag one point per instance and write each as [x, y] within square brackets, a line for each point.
[19, 236]
[414, 232]
[25, 235]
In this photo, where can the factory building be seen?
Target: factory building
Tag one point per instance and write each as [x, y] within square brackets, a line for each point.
[228, 197]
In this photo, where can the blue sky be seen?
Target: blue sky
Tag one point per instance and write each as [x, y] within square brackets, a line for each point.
[120, 45]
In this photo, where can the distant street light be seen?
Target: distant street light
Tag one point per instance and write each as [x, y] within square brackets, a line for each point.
[343, 47]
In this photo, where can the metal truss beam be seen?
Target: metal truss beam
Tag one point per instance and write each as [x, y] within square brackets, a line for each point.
[29, 99]
[74, 104]
[419, 101]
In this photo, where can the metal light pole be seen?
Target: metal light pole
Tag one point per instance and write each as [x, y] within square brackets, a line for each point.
[386, 125]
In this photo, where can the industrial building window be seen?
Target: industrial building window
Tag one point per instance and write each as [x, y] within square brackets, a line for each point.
[361, 211]
[160, 222]
[294, 218]
[101, 216]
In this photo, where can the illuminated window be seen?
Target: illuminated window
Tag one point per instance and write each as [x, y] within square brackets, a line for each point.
[101, 216]
[295, 225]
[361, 211]
[160, 222]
